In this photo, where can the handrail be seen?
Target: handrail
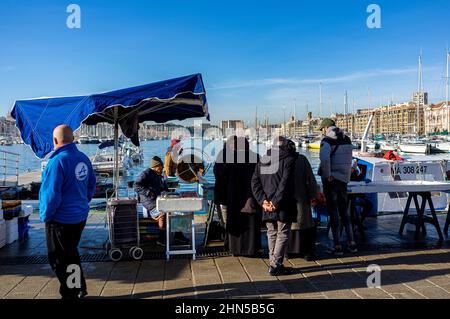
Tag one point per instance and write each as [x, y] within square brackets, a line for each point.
[7, 169]
[7, 152]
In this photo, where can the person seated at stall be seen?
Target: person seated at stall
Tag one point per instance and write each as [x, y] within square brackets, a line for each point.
[149, 185]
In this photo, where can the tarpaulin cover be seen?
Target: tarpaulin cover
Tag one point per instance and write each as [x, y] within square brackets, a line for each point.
[174, 99]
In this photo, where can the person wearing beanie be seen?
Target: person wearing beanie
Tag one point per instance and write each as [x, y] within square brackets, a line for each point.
[170, 166]
[336, 153]
[325, 124]
[149, 185]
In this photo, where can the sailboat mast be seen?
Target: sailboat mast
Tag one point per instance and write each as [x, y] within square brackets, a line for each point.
[419, 94]
[446, 95]
[346, 110]
[353, 118]
[320, 99]
[295, 119]
[307, 118]
[256, 125]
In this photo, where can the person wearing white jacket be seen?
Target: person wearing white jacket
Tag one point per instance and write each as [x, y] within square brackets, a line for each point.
[335, 170]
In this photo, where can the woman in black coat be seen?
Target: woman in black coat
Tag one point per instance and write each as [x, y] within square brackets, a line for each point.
[243, 224]
[303, 232]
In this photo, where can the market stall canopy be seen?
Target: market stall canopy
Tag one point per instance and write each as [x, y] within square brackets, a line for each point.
[174, 99]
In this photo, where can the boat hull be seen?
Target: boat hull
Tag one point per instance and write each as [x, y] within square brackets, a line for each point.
[414, 148]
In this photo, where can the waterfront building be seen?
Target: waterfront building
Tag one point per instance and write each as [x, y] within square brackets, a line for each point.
[230, 126]
[437, 118]
[401, 119]
[421, 98]
[8, 127]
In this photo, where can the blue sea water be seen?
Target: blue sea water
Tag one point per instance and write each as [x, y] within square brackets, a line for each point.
[209, 149]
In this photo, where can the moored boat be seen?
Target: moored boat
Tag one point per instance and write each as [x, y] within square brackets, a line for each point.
[413, 168]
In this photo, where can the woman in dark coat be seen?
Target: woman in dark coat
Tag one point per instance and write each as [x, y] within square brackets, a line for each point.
[303, 232]
[219, 171]
[243, 224]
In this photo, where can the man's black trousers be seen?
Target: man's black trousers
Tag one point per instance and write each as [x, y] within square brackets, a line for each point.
[62, 247]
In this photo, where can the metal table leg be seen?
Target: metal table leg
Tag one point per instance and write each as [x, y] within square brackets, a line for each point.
[420, 220]
[405, 214]
[447, 222]
[434, 219]
[193, 237]
[209, 219]
[167, 236]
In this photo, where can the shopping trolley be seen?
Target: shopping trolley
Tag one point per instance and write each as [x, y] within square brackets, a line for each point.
[123, 225]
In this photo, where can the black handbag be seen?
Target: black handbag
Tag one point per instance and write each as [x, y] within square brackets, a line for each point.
[250, 206]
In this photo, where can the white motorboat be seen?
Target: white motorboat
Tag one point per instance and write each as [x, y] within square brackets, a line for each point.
[83, 139]
[103, 160]
[135, 153]
[413, 168]
[414, 147]
[441, 147]
[386, 146]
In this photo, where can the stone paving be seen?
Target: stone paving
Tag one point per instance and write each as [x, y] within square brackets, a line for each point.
[404, 274]
[410, 268]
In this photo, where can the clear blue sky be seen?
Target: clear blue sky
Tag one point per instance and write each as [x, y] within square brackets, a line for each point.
[269, 54]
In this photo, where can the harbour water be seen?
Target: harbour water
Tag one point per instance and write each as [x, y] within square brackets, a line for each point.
[29, 162]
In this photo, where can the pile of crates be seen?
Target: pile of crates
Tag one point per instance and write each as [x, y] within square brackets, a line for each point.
[14, 221]
[11, 210]
[148, 227]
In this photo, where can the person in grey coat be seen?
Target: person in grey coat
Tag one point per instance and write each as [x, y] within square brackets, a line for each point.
[303, 232]
[335, 170]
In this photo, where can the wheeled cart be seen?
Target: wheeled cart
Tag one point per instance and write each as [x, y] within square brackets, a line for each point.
[123, 225]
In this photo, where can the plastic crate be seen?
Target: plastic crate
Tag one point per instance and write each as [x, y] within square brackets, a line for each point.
[12, 230]
[23, 227]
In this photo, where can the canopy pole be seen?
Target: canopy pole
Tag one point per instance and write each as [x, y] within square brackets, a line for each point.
[116, 152]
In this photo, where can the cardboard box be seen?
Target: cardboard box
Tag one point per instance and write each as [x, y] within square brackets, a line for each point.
[12, 230]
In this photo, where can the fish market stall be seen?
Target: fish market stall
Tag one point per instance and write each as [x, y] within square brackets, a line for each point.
[175, 99]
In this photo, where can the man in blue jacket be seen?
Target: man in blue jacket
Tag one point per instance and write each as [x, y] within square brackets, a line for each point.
[68, 185]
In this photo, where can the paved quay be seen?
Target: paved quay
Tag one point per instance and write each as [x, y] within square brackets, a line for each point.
[405, 274]
[410, 268]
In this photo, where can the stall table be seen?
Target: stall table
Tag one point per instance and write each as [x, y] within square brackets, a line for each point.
[415, 190]
[176, 206]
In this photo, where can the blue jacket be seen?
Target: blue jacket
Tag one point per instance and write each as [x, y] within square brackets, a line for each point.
[68, 185]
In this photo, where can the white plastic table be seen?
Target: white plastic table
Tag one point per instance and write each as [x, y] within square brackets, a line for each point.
[180, 206]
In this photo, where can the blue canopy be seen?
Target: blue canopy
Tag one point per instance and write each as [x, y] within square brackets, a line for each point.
[175, 99]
